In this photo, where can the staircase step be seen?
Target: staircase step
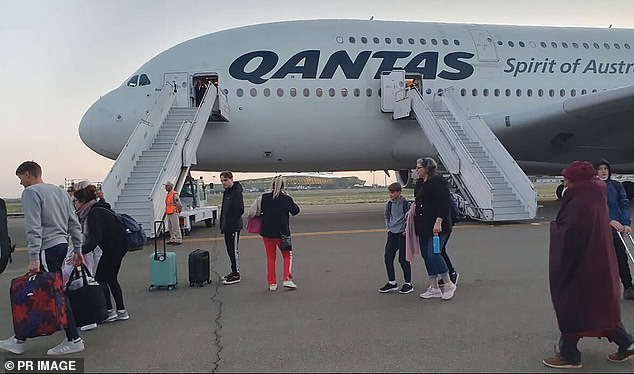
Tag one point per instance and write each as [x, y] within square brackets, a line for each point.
[498, 198]
[511, 216]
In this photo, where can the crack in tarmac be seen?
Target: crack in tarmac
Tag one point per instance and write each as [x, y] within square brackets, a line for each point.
[216, 288]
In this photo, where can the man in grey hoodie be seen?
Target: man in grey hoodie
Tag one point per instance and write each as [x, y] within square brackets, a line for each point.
[49, 220]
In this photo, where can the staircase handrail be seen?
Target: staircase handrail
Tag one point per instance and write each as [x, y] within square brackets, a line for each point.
[196, 130]
[468, 169]
[513, 174]
[143, 135]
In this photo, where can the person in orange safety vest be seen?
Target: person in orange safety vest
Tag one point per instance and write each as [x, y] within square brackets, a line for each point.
[172, 210]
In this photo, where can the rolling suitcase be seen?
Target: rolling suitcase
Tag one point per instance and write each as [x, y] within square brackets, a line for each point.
[163, 272]
[199, 268]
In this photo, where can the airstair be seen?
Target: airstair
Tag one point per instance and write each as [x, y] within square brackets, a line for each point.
[161, 148]
[494, 186]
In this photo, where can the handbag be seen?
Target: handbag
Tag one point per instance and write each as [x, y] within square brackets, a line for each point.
[285, 242]
[254, 225]
[86, 297]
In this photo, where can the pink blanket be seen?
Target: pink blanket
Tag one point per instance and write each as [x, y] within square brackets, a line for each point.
[411, 240]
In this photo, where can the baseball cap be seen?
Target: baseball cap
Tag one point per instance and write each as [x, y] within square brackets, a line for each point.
[169, 183]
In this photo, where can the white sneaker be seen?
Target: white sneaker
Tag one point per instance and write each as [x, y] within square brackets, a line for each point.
[448, 291]
[289, 284]
[66, 347]
[122, 315]
[431, 293]
[273, 287]
[88, 327]
[12, 345]
[112, 316]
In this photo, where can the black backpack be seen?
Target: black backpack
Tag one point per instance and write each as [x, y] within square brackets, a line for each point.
[456, 214]
[134, 237]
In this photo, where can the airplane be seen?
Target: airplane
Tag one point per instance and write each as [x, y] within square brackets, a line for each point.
[305, 95]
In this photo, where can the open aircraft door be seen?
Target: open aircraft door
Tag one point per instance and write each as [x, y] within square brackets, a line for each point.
[392, 89]
[181, 84]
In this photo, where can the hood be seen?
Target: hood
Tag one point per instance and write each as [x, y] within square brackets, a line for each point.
[579, 171]
[102, 204]
[236, 187]
[607, 164]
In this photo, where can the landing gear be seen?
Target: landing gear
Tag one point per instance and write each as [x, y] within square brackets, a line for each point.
[559, 191]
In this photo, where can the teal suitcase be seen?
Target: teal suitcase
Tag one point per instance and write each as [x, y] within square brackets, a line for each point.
[163, 273]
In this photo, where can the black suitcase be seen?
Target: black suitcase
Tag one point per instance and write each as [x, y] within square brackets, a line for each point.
[199, 268]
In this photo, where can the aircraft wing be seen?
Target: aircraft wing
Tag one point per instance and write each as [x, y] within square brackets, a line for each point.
[588, 127]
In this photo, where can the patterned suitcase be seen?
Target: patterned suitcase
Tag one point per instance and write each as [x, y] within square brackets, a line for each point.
[38, 304]
[199, 268]
[163, 273]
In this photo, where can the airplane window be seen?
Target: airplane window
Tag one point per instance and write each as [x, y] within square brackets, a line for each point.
[254, 92]
[463, 92]
[293, 91]
[522, 44]
[368, 92]
[507, 92]
[575, 45]
[485, 92]
[267, 92]
[280, 92]
[596, 45]
[411, 41]
[319, 92]
[518, 92]
[543, 44]
[423, 41]
[532, 44]
[351, 39]
[357, 92]
[553, 44]
[562, 92]
[573, 93]
[133, 81]
[529, 92]
[375, 40]
[445, 42]
[540, 92]
[434, 42]
[511, 44]
[564, 44]
[388, 41]
[474, 92]
[551, 92]
[399, 40]
[239, 92]
[339, 39]
[306, 92]
[617, 46]
[364, 40]
[627, 46]
[606, 45]
[456, 42]
[586, 46]
[496, 92]
[331, 92]
[144, 80]
[584, 92]
[344, 92]
[594, 90]
[500, 42]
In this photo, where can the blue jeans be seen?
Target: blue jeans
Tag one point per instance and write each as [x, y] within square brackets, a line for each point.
[434, 262]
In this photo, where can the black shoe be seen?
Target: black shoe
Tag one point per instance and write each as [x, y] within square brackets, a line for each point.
[407, 288]
[454, 277]
[388, 287]
[227, 276]
[231, 279]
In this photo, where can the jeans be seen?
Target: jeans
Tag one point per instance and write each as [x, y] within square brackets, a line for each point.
[568, 343]
[396, 243]
[434, 262]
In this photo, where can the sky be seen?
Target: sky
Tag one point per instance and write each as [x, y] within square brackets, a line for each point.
[57, 57]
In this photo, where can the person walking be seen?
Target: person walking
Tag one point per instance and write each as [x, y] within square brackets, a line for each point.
[172, 211]
[395, 217]
[433, 218]
[231, 223]
[49, 221]
[582, 268]
[621, 222]
[276, 207]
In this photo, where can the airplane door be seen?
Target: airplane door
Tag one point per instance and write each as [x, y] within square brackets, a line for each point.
[392, 89]
[180, 80]
[484, 46]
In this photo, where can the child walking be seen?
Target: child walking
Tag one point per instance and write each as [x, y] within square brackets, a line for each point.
[395, 217]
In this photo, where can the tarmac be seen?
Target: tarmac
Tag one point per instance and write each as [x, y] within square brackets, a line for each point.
[501, 318]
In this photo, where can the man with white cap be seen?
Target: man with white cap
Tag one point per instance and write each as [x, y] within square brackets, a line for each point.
[172, 210]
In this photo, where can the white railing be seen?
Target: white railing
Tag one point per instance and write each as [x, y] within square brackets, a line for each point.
[141, 139]
[479, 131]
[444, 138]
[195, 133]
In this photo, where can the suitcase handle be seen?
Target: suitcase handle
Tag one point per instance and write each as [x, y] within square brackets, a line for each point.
[159, 228]
[627, 250]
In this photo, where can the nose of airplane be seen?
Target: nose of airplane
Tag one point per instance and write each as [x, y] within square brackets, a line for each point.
[86, 129]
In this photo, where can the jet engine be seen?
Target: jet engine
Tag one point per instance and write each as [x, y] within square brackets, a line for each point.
[405, 178]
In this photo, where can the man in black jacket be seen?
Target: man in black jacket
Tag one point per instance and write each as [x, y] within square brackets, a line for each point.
[231, 222]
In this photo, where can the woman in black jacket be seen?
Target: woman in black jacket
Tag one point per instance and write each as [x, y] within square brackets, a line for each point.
[101, 228]
[276, 206]
[433, 218]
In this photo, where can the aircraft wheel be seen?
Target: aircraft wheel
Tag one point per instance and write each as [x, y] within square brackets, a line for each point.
[209, 222]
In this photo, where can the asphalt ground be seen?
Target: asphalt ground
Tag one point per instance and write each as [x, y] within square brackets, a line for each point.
[501, 318]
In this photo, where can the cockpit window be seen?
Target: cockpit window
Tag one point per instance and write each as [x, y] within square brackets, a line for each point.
[133, 82]
[144, 80]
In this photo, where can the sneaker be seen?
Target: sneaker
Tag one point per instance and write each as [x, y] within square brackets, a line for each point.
[448, 291]
[226, 276]
[628, 293]
[66, 347]
[388, 287]
[273, 287]
[88, 327]
[112, 316]
[558, 363]
[454, 277]
[233, 278]
[431, 293]
[441, 282]
[289, 284]
[13, 345]
[622, 356]
[407, 288]
[122, 315]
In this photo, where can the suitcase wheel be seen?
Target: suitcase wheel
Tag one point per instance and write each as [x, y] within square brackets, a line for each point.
[191, 284]
[170, 288]
[151, 288]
